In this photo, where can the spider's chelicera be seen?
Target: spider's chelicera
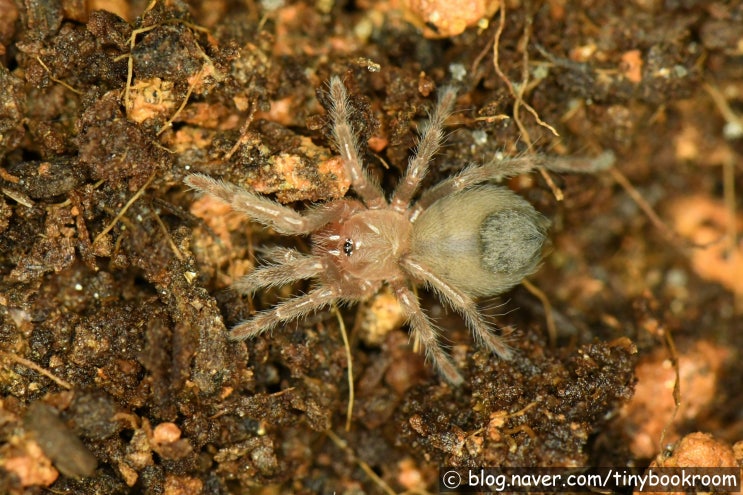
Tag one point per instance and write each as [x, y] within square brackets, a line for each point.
[463, 238]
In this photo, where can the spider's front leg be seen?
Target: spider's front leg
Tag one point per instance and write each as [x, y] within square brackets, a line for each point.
[290, 309]
[263, 210]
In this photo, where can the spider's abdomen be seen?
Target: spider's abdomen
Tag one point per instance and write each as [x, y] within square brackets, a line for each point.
[483, 240]
[512, 240]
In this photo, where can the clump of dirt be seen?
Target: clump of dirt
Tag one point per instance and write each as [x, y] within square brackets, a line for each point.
[116, 371]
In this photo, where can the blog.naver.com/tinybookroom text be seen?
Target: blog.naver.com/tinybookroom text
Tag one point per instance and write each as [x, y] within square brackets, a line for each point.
[555, 480]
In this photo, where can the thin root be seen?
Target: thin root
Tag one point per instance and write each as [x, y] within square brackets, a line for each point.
[33, 366]
[125, 208]
[548, 316]
[58, 81]
[670, 343]
[349, 359]
[633, 193]
[340, 443]
[518, 95]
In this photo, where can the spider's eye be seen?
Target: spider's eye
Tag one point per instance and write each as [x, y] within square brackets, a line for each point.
[348, 247]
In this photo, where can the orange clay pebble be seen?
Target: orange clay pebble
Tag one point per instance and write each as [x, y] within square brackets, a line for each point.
[445, 18]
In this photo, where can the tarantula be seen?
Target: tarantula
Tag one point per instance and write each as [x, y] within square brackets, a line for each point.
[462, 238]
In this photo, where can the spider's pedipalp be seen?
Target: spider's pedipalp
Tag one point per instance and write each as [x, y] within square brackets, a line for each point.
[347, 143]
[430, 140]
[277, 254]
[294, 267]
[290, 309]
[421, 326]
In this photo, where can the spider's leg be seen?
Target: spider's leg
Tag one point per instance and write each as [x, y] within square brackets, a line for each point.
[348, 147]
[428, 144]
[290, 309]
[509, 167]
[424, 329]
[464, 305]
[291, 267]
[266, 211]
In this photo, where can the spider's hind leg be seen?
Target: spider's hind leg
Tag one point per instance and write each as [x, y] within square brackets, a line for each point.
[426, 332]
[509, 167]
[465, 306]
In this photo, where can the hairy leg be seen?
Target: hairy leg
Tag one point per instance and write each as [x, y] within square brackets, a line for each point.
[422, 327]
[266, 211]
[290, 265]
[463, 304]
[345, 140]
[509, 167]
[290, 309]
[428, 144]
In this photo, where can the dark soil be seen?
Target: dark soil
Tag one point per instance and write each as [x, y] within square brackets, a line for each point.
[116, 372]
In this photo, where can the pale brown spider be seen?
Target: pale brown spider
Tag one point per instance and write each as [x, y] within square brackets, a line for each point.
[462, 238]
